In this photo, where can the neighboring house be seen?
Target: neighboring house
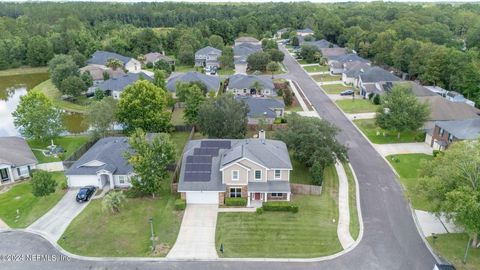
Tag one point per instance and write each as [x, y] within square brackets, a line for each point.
[374, 80]
[214, 169]
[104, 164]
[446, 132]
[16, 159]
[450, 95]
[338, 64]
[241, 84]
[320, 44]
[444, 110]
[279, 33]
[208, 57]
[97, 72]
[115, 86]
[249, 40]
[263, 108]
[154, 57]
[352, 71]
[331, 53]
[101, 58]
[305, 32]
[211, 82]
[241, 52]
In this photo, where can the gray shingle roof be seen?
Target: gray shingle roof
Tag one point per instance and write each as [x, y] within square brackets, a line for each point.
[462, 129]
[242, 81]
[155, 56]
[212, 82]
[442, 109]
[350, 57]
[14, 151]
[97, 71]
[101, 57]
[209, 50]
[121, 82]
[378, 74]
[246, 39]
[305, 31]
[242, 51]
[260, 106]
[356, 69]
[320, 44]
[330, 53]
[109, 151]
[269, 186]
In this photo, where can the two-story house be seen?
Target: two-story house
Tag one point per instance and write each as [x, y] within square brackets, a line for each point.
[214, 169]
[208, 57]
[446, 132]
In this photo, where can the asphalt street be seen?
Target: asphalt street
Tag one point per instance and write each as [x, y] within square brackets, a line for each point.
[390, 241]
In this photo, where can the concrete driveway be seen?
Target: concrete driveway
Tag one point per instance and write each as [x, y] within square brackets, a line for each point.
[56, 221]
[196, 239]
[403, 148]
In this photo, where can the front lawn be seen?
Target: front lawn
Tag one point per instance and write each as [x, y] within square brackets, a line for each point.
[302, 61]
[181, 68]
[315, 68]
[309, 233]
[357, 105]
[451, 246]
[326, 78]
[55, 96]
[335, 88]
[407, 166]
[69, 143]
[376, 134]
[29, 207]
[98, 233]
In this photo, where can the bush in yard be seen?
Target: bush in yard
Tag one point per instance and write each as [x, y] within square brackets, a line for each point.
[437, 153]
[279, 206]
[236, 201]
[180, 204]
[317, 174]
[370, 96]
[259, 210]
[64, 185]
[280, 92]
[376, 99]
[149, 65]
[43, 184]
[287, 97]
[113, 201]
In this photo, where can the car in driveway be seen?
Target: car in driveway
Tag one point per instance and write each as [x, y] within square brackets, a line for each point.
[85, 193]
[348, 92]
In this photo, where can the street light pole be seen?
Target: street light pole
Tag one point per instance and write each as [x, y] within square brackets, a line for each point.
[152, 236]
[464, 261]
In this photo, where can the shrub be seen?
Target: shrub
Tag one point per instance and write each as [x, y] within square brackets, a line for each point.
[317, 174]
[259, 210]
[280, 92]
[180, 204]
[43, 184]
[149, 65]
[376, 99]
[113, 201]
[64, 185]
[280, 206]
[236, 201]
[370, 96]
[420, 137]
[437, 153]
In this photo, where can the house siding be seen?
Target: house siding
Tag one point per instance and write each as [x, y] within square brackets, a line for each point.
[227, 175]
[437, 136]
[284, 175]
[253, 167]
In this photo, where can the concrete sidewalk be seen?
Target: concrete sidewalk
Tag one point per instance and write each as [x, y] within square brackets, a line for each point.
[51, 166]
[357, 116]
[403, 148]
[430, 223]
[343, 228]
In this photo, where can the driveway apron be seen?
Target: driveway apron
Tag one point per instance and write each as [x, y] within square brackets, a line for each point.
[56, 221]
[196, 239]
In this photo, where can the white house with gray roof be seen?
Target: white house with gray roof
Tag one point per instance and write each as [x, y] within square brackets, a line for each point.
[208, 57]
[373, 79]
[102, 165]
[115, 86]
[16, 159]
[101, 58]
[242, 85]
[211, 82]
[338, 64]
[266, 108]
[214, 169]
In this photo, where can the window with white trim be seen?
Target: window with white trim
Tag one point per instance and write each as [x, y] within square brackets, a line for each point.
[258, 175]
[235, 175]
[22, 171]
[122, 179]
[235, 192]
[278, 174]
[276, 195]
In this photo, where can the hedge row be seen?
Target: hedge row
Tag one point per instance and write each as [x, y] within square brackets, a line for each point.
[280, 206]
[235, 201]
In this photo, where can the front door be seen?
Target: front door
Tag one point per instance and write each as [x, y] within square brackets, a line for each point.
[4, 175]
[256, 196]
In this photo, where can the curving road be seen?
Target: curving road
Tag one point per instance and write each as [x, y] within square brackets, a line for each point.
[390, 240]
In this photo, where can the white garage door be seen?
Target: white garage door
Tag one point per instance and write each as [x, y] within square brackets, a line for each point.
[202, 197]
[75, 181]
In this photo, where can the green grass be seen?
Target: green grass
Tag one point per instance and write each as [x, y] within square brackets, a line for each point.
[316, 68]
[55, 96]
[127, 233]
[308, 233]
[179, 139]
[226, 71]
[177, 117]
[30, 207]
[335, 88]
[357, 105]
[352, 201]
[408, 166]
[69, 143]
[182, 68]
[370, 129]
[23, 71]
[302, 61]
[452, 247]
[326, 78]
[300, 173]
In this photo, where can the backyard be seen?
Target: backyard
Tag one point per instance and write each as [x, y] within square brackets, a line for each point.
[407, 166]
[179, 138]
[379, 136]
[326, 78]
[177, 117]
[308, 233]
[335, 88]
[357, 105]
[451, 246]
[315, 68]
[30, 208]
[47, 87]
[69, 143]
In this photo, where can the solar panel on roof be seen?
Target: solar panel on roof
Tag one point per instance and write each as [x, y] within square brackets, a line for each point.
[199, 159]
[192, 167]
[210, 151]
[219, 144]
[196, 177]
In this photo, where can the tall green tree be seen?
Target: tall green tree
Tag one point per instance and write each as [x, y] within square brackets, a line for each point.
[144, 105]
[273, 67]
[401, 111]
[223, 117]
[39, 51]
[159, 79]
[150, 159]
[216, 41]
[102, 116]
[61, 67]
[73, 86]
[37, 118]
[258, 61]
[193, 101]
[42, 183]
[451, 182]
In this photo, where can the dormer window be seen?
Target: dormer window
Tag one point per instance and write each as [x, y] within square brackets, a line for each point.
[278, 174]
[235, 175]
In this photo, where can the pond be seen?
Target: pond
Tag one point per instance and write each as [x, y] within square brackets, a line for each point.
[15, 86]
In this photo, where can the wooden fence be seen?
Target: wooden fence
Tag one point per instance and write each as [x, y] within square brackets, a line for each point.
[267, 127]
[306, 189]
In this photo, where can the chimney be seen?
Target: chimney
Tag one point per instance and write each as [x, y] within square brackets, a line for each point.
[261, 135]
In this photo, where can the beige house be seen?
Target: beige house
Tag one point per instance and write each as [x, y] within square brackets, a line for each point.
[255, 169]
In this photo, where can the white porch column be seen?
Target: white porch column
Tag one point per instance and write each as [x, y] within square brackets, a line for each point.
[248, 199]
[12, 178]
[288, 196]
[112, 184]
[265, 198]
